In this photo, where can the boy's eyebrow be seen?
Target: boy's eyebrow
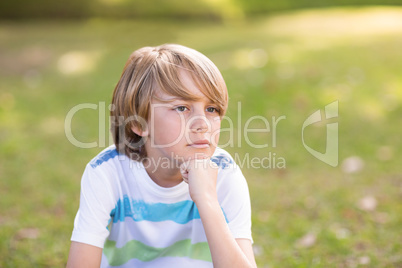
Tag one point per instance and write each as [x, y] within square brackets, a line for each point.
[172, 99]
[176, 98]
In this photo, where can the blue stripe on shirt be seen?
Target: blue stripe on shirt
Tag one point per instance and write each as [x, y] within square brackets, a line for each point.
[104, 157]
[181, 212]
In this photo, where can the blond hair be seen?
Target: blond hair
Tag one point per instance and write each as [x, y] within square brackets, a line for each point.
[149, 69]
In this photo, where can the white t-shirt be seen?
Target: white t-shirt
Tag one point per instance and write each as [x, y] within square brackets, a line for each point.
[141, 224]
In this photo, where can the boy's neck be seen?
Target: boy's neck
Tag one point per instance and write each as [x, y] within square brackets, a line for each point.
[164, 177]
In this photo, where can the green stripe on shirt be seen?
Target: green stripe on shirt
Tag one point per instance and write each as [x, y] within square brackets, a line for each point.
[135, 249]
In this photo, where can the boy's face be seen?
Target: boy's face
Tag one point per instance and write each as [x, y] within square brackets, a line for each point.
[180, 128]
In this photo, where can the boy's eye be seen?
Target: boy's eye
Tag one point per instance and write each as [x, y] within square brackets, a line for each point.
[181, 108]
[212, 110]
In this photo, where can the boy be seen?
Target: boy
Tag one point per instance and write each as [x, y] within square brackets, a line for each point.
[164, 195]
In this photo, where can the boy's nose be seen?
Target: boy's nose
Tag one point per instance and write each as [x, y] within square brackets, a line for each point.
[199, 123]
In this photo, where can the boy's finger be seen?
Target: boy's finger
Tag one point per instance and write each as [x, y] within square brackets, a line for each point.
[184, 167]
[184, 174]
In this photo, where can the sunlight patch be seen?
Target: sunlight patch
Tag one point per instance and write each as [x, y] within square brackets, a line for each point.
[339, 21]
[77, 62]
[336, 24]
[250, 58]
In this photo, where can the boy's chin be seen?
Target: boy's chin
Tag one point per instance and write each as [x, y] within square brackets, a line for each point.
[195, 155]
[181, 156]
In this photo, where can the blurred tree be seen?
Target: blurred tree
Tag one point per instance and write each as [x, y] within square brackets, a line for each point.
[257, 6]
[155, 8]
[212, 9]
[20, 9]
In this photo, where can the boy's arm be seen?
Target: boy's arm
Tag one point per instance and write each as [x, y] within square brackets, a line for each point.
[247, 248]
[90, 224]
[226, 251]
[84, 255]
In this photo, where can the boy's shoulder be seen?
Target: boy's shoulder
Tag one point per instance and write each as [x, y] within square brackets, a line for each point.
[104, 156]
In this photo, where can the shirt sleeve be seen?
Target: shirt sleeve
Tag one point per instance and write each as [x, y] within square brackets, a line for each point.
[234, 199]
[96, 203]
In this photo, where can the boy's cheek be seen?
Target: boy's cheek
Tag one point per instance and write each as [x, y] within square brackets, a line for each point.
[217, 119]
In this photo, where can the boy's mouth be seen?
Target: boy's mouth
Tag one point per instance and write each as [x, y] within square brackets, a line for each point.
[200, 144]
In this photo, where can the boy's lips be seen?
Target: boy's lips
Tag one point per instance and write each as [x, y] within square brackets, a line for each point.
[200, 144]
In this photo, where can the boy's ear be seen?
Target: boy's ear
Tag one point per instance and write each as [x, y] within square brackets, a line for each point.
[139, 132]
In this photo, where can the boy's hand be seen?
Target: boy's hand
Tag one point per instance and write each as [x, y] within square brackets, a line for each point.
[201, 176]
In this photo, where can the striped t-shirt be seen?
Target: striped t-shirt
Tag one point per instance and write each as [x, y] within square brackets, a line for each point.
[141, 224]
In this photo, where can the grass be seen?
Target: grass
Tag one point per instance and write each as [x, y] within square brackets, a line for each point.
[291, 65]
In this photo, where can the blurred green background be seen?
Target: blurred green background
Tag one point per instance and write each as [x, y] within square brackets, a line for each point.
[284, 58]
